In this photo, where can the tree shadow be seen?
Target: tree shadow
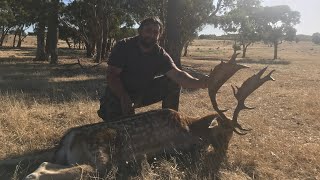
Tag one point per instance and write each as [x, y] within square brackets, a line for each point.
[42, 81]
[70, 52]
[246, 60]
[64, 53]
[264, 61]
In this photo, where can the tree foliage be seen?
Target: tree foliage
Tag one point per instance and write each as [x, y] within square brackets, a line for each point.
[277, 24]
[96, 23]
[241, 21]
[316, 38]
[14, 17]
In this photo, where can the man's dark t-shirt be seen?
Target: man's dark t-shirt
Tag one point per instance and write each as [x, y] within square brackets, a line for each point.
[138, 68]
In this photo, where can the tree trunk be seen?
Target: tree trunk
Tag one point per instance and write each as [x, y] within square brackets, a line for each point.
[74, 43]
[20, 39]
[244, 49]
[3, 35]
[162, 40]
[41, 54]
[47, 46]
[99, 30]
[174, 48]
[186, 49]
[90, 46]
[99, 49]
[104, 48]
[104, 53]
[15, 36]
[53, 31]
[275, 54]
[67, 41]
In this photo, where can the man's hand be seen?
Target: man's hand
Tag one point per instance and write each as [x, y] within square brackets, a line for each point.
[126, 105]
[186, 80]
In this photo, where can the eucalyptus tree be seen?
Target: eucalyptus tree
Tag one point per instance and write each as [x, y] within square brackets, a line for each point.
[39, 13]
[185, 18]
[22, 20]
[6, 19]
[52, 35]
[96, 22]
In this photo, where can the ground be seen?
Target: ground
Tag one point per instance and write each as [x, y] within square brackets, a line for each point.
[39, 102]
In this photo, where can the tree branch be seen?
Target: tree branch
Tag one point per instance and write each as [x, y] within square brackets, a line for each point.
[219, 3]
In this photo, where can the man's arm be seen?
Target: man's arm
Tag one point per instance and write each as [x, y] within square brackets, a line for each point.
[186, 80]
[116, 86]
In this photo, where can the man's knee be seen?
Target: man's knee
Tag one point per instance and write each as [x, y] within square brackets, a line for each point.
[110, 107]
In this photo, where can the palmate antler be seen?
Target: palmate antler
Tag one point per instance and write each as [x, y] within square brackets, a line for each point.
[248, 87]
[219, 75]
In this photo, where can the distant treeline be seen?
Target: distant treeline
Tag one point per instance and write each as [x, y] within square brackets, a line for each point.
[215, 37]
[300, 37]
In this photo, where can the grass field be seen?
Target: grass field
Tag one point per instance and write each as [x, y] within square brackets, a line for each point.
[39, 102]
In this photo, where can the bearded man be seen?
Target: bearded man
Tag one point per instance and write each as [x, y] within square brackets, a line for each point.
[139, 73]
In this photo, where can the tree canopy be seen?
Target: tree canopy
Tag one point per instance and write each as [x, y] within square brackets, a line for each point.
[277, 24]
[241, 21]
[95, 24]
[316, 38]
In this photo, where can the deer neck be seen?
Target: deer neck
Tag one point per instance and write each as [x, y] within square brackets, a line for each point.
[200, 127]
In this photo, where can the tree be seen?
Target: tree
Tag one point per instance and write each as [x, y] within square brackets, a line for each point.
[173, 42]
[76, 18]
[53, 24]
[241, 20]
[276, 24]
[185, 18]
[316, 38]
[6, 19]
[97, 23]
[186, 45]
[14, 19]
[40, 15]
[23, 20]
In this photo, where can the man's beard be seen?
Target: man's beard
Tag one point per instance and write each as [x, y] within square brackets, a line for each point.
[147, 42]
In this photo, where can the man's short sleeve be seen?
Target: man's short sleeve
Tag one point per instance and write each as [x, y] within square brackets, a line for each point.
[167, 62]
[117, 57]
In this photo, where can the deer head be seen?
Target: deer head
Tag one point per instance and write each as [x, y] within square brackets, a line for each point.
[224, 126]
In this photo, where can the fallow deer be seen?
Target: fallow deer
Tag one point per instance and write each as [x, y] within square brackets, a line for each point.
[102, 145]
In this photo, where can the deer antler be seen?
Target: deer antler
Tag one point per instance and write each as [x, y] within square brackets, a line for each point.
[218, 76]
[248, 87]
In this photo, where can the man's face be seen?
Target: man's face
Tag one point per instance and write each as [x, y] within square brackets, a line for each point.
[149, 35]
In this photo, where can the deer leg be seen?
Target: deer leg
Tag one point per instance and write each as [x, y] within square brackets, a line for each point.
[55, 171]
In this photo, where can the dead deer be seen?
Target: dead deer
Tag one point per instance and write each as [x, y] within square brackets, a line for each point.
[103, 145]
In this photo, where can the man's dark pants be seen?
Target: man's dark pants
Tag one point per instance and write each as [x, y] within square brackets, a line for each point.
[158, 90]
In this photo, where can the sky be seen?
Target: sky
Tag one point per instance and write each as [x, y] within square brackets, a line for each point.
[309, 20]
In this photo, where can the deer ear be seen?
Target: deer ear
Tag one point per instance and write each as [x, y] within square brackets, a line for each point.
[214, 123]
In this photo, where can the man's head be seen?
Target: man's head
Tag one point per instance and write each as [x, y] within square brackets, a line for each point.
[150, 31]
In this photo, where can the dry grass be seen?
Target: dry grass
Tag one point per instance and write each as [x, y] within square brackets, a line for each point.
[40, 102]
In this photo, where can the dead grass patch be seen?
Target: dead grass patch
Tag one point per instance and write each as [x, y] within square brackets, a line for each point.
[39, 102]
